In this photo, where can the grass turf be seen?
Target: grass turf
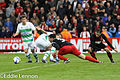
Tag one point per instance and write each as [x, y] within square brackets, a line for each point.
[77, 69]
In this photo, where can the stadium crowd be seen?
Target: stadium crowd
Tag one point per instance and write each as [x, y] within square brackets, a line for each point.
[71, 18]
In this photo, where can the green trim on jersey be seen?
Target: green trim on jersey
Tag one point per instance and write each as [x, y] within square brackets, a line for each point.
[25, 36]
[25, 30]
[27, 40]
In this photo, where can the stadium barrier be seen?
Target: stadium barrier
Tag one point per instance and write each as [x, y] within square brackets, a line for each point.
[82, 44]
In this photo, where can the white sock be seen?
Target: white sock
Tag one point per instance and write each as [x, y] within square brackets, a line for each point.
[46, 55]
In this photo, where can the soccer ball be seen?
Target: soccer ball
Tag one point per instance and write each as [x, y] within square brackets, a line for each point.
[16, 60]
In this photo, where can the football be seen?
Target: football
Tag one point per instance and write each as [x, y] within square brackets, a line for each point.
[16, 60]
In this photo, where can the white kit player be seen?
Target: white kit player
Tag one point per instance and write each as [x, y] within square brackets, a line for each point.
[26, 28]
[43, 43]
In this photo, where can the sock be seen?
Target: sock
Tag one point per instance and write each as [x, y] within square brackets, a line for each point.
[28, 56]
[45, 56]
[110, 56]
[51, 56]
[91, 59]
[62, 57]
[93, 55]
[35, 55]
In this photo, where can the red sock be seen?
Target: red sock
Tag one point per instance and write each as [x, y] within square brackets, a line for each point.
[62, 57]
[91, 59]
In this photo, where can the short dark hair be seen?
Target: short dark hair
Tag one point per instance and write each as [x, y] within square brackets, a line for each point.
[23, 16]
[52, 36]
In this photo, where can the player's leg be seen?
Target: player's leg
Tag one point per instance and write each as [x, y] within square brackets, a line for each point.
[92, 53]
[109, 55]
[27, 54]
[51, 54]
[35, 55]
[82, 56]
[32, 47]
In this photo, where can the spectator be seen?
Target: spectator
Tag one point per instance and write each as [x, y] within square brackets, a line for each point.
[43, 25]
[59, 3]
[74, 6]
[109, 9]
[53, 26]
[2, 5]
[9, 24]
[79, 9]
[61, 11]
[36, 19]
[9, 10]
[65, 33]
[117, 35]
[37, 10]
[101, 9]
[65, 20]
[8, 34]
[105, 18]
[18, 9]
[116, 11]
[49, 21]
[60, 27]
[42, 13]
[84, 33]
[87, 11]
[112, 29]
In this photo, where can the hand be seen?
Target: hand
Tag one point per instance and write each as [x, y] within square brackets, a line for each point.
[34, 35]
[115, 50]
[38, 28]
[14, 35]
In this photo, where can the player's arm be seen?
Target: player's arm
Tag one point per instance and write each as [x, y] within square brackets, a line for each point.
[106, 40]
[57, 49]
[17, 32]
[38, 28]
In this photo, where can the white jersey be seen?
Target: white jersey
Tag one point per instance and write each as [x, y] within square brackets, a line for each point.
[42, 41]
[26, 31]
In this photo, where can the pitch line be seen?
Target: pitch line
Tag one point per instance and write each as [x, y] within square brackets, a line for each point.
[27, 68]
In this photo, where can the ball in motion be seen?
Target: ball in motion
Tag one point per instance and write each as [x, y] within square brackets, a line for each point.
[16, 60]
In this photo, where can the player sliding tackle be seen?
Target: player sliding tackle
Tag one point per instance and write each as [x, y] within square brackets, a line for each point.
[64, 47]
[97, 44]
[43, 43]
[26, 28]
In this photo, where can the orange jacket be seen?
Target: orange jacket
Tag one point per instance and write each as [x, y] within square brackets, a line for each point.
[66, 34]
[106, 34]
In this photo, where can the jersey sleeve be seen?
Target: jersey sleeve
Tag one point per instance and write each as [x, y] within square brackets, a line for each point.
[49, 33]
[104, 37]
[32, 26]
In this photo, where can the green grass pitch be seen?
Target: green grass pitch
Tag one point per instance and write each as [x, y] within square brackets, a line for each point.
[77, 69]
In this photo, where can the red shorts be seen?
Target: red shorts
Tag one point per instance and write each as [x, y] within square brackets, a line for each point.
[70, 49]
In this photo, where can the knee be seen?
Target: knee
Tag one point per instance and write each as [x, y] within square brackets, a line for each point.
[90, 49]
[26, 50]
[82, 56]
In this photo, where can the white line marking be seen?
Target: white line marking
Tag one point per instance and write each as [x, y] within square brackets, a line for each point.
[27, 68]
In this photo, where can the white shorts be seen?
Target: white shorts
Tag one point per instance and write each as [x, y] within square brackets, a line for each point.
[42, 44]
[27, 45]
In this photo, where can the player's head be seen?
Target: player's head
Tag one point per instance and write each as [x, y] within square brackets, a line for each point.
[59, 35]
[98, 32]
[23, 19]
[52, 37]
